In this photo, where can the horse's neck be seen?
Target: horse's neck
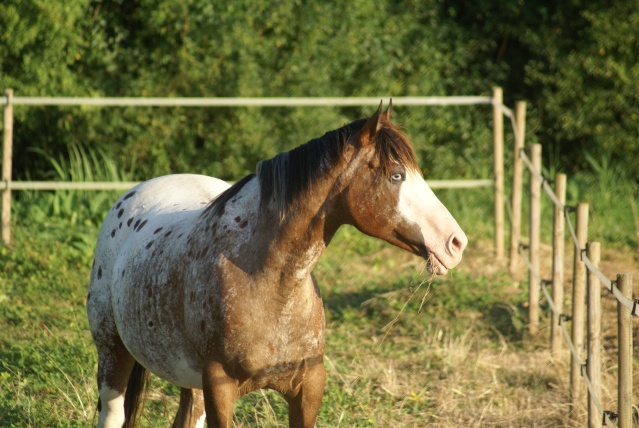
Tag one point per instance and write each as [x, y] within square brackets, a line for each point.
[261, 244]
[294, 244]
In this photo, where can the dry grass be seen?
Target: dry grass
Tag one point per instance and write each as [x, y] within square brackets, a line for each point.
[401, 351]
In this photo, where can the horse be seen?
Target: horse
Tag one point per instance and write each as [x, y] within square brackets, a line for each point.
[210, 286]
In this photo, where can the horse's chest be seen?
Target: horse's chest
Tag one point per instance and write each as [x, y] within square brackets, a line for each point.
[268, 340]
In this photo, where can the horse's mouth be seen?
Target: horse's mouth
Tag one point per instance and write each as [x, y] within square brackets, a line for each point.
[433, 264]
[417, 246]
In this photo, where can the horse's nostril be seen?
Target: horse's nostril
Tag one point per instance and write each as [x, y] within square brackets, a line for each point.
[457, 244]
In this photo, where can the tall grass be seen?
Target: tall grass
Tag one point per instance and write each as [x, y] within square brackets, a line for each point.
[71, 215]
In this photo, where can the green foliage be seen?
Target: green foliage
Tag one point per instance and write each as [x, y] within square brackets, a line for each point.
[81, 210]
[244, 49]
[575, 62]
[591, 88]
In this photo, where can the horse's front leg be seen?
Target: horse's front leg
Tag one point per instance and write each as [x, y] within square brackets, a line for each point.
[220, 394]
[191, 410]
[304, 403]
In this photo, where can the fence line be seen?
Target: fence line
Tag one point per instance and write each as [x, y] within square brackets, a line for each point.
[9, 100]
[582, 262]
[243, 101]
[609, 284]
[562, 318]
[124, 185]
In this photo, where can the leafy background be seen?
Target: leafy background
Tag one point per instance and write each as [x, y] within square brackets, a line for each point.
[576, 64]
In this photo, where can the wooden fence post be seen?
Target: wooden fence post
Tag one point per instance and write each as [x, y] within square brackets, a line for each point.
[498, 147]
[593, 363]
[518, 170]
[558, 250]
[7, 157]
[535, 227]
[624, 283]
[578, 306]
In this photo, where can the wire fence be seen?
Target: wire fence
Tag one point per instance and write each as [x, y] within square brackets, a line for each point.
[610, 285]
[603, 416]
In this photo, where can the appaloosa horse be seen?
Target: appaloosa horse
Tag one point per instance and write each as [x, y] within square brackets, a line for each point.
[210, 286]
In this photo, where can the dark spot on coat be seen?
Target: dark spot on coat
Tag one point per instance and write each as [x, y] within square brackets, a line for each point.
[129, 221]
[88, 296]
[137, 223]
[123, 270]
[113, 233]
[150, 324]
[243, 224]
[157, 230]
[237, 219]
[128, 195]
[120, 212]
[93, 264]
[117, 207]
[120, 225]
[167, 234]
[100, 272]
[149, 245]
[180, 235]
[142, 225]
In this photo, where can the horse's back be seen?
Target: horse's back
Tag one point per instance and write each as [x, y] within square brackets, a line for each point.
[158, 205]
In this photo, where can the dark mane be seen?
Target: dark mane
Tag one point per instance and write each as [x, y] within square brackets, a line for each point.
[285, 178]
[216, 206]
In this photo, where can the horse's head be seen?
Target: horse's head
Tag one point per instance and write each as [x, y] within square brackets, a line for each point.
[387, 197]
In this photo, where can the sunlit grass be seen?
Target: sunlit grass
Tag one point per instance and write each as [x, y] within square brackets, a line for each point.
[402, 348]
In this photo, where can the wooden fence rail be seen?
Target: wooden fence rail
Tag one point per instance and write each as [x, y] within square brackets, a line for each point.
[9, 101]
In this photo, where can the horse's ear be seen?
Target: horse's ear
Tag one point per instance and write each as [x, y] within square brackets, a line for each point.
[387, 113]
[372, 125]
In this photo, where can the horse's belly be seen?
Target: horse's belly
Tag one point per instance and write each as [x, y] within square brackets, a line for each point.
[163, 350]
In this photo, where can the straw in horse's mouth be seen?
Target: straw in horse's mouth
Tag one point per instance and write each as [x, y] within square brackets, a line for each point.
[433, 264]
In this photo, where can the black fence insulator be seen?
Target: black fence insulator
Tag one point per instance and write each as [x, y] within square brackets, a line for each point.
[570, 208]
[584, 369]
[612, 416]
[564, 318]
[546, 282]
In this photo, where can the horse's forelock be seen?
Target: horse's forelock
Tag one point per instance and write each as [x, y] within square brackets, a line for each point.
[394, 148]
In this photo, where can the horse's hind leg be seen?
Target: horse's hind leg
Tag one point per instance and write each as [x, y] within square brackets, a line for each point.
[191, 411]
[114, 368]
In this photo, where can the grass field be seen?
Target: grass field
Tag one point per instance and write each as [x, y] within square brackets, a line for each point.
[402, 348]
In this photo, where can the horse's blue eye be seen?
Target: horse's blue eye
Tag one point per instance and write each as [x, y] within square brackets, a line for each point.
[397, 176]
